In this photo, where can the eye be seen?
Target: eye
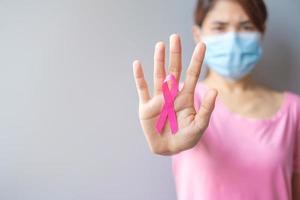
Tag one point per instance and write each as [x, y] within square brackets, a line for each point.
[218, 28]
[248, 28]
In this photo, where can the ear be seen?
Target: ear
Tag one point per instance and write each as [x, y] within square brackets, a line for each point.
[196, 33]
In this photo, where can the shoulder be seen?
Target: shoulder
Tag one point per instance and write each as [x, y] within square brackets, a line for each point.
[293, 98]
[290, 104]
[293, 105]
[290, 99]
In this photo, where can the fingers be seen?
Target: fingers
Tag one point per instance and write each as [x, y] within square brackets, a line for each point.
[194, 69]
[175, 56]
[207, 106]
[141, 84]
[159, 67]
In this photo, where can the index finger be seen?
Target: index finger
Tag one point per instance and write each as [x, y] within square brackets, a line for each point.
[194, 68]
[141, 84]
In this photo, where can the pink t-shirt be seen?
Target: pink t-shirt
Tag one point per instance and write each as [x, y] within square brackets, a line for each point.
[240, 158]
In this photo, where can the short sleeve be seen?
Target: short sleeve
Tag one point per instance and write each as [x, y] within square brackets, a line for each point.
[297, 150]
[296, 165]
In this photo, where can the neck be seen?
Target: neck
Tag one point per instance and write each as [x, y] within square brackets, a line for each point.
[220, 83]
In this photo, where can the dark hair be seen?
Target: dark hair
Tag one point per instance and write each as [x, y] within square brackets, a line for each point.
[255, 9]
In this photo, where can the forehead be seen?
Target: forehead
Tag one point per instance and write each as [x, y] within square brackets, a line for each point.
[227, 10]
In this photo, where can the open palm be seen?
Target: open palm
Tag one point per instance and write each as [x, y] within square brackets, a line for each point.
[191, 123]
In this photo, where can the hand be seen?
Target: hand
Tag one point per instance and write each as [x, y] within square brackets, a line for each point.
[191, 124]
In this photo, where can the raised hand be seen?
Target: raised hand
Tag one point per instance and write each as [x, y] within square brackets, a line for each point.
[191, 123]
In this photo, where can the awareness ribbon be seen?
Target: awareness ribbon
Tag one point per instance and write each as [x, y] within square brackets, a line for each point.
[168, 108]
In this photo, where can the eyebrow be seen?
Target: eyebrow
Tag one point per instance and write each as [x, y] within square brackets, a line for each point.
[225, 23]
[219, 23]
[245, 22]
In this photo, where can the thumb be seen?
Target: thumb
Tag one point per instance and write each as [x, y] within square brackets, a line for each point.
[207, 106]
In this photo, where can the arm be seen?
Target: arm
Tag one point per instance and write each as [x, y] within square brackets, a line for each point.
[296, 186]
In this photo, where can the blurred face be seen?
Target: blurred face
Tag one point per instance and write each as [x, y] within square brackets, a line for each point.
[225, 16]
[232, 56]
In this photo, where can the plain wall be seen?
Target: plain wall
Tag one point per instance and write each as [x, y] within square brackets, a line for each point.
[69, 127]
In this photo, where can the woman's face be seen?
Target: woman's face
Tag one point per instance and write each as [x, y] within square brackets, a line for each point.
[225, 16]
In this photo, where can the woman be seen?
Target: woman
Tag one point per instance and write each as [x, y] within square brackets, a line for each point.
[245, 144]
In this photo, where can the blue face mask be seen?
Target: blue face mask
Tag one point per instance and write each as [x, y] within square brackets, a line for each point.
[233, 55]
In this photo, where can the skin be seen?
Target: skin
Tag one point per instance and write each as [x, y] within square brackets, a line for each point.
[244, 97]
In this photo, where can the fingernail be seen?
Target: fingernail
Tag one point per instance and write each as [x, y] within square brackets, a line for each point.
[159, 45]
[175, 44]
[135, 62]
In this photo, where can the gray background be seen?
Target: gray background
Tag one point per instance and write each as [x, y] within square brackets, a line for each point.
[68, 108]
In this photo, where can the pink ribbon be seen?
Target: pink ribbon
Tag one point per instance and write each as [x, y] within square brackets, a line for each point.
[168, 108]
